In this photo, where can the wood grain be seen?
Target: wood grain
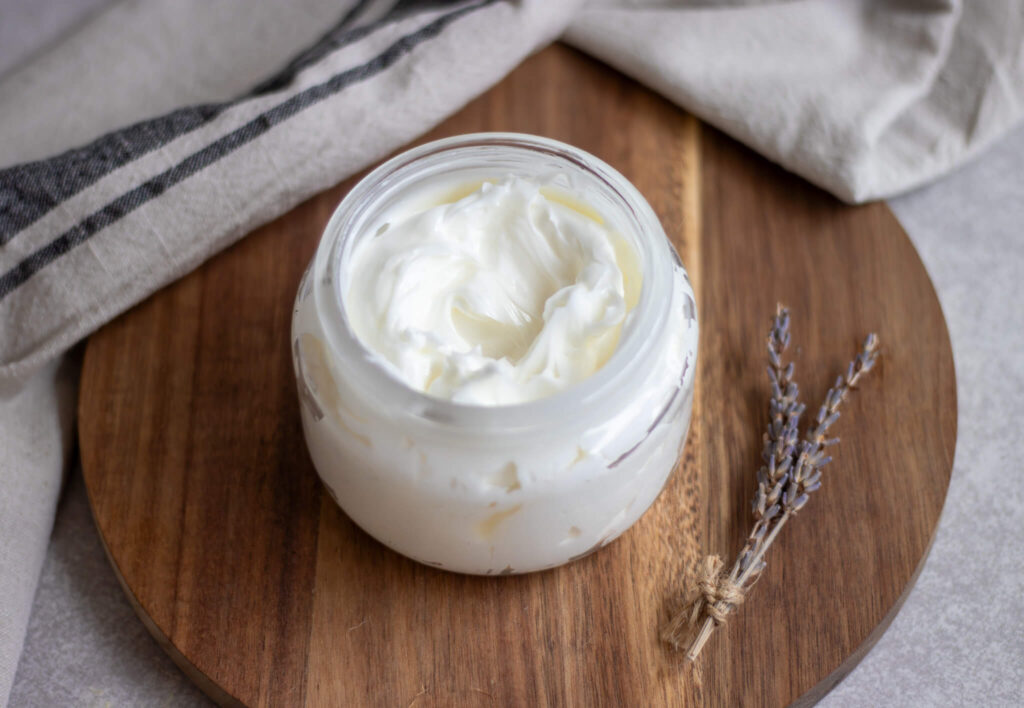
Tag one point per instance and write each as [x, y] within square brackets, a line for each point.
[267, 594]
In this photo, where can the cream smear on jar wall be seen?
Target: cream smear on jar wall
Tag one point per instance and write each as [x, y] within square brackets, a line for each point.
[495, 349]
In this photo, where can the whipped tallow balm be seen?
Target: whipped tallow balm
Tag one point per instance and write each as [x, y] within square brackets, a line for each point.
[506, 295]
[495, 348]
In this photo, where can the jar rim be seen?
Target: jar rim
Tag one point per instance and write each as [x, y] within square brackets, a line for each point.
[603, 389]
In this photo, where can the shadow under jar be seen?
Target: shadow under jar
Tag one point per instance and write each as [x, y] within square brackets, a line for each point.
[505, 488]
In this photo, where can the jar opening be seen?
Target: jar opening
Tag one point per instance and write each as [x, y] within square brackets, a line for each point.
[484, 155]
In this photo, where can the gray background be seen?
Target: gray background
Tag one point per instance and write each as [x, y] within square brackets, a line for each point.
[959, 640]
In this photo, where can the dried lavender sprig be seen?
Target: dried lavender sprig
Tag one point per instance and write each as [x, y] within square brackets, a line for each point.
[804, 479]
[784, 391]
[780, 439]
[783, 405]
[806, 475]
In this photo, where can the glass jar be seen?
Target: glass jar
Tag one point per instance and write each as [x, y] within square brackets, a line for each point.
[497, 489]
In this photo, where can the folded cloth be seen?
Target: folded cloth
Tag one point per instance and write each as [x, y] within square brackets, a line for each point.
[136, 208]
[865, 98]
[36, 430]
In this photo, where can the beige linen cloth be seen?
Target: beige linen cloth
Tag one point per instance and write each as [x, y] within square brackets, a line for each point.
[163, 130]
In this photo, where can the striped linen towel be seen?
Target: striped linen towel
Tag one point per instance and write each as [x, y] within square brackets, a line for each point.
[865, 98]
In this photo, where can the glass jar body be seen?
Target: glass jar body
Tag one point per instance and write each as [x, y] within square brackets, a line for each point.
[510, 489]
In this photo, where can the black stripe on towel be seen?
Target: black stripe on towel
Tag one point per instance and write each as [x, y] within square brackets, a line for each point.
[29, 191]
[341, 35]
[224, 145]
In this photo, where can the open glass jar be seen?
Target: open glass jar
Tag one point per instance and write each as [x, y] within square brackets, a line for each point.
[510, 488]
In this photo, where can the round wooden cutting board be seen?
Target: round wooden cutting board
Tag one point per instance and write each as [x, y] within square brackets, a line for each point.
[265, 593]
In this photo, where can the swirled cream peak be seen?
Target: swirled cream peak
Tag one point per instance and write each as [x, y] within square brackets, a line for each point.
[508, 294]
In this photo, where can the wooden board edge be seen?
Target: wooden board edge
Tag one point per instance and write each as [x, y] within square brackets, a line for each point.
[207, 685]
[825, 686]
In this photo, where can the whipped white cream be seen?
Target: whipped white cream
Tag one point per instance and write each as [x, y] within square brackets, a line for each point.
[508, 294]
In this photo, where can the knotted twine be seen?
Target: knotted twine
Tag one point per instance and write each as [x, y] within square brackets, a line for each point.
[713, 597]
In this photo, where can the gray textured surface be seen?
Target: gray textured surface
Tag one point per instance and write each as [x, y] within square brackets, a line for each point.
[958, 640]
